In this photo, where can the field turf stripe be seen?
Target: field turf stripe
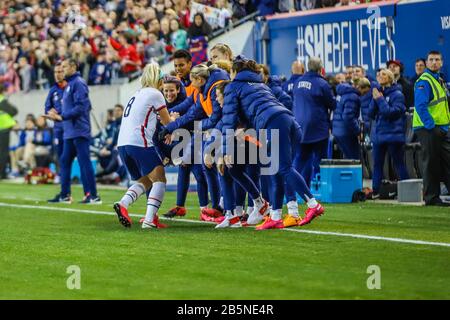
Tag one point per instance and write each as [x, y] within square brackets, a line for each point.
[326, 233]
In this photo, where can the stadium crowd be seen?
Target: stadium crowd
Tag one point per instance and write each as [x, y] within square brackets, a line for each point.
[111, 40]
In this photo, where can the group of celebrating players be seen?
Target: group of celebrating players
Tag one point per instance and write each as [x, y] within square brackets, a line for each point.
[226, 96]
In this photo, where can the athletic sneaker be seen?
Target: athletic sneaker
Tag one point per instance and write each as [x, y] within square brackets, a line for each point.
[205, 217]
[271, 224]
[213, 212]
[291, 221]
[258, 213]
[312, 213]
[59, 199]
[155, 224]
[175, 212]
[230, 222]
[88, 199]
[122, 214]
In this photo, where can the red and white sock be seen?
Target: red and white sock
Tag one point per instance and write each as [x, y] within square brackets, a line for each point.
[132, 194]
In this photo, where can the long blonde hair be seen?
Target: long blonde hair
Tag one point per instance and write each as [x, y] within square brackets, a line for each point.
[151, 76]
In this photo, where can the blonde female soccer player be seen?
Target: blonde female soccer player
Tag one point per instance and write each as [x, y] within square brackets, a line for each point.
[137, 151]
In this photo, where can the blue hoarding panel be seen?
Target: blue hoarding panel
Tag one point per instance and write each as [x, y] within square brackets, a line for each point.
[368, 35]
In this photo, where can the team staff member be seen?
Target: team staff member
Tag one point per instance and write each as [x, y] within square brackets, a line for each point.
[313, 101]
[431, 122]
[54, 101]
[297, 69]
[77, 134]
[346, 127]
[388, 110]
[7, 112]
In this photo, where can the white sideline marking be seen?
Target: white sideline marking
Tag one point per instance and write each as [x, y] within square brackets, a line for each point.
[327, 233]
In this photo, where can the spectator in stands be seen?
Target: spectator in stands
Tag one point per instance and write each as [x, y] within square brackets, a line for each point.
[297, 69]
[343, 3]
[154, 50]
[313, 102]
[431, 121]
[101, 71]
[397, 69]
[130, 61]
[199, 28]
[25, 73]
[387, 110]
[265, 7]
[178, 37]
[420, 67]
[225, 12]
[7, 112]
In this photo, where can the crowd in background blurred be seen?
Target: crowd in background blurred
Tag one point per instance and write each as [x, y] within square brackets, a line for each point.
[112, 40]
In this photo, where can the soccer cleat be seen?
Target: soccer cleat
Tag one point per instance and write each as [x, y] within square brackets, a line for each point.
[271, 224]
[213, 212]
[312, 213]
[219, 219]
[155, 224]
[291, 221]
[59, 199]
[122, 214]
[205, 217]
[175, 212]
[244, 217]
[230, 222]
[258, 213]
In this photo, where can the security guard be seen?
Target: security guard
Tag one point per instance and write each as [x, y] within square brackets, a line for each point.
[7, 112]
[431, 122]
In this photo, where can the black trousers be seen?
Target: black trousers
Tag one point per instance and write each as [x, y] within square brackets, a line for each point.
[4, 152]
[436, 161]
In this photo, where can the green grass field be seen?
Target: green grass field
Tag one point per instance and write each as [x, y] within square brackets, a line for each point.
[195, 261]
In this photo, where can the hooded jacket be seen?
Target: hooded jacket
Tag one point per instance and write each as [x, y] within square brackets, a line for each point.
[274, 84]
[388, 112]
[345, 117]
[248, 100]
[75, 108]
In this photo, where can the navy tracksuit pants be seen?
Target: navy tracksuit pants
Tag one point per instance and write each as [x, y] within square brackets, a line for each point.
[77, 147]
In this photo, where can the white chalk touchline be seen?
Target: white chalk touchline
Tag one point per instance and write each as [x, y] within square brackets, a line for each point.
[328, 233]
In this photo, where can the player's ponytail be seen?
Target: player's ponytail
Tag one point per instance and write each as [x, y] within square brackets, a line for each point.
[202, 70]
[151, 76]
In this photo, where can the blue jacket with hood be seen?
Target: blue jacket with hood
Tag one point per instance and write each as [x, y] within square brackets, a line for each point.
[345, 117]
[75, 108]
[274, 84]
[248, 100]
[389, 113]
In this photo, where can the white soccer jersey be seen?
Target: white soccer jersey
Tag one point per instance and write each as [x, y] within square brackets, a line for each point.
[140, 117]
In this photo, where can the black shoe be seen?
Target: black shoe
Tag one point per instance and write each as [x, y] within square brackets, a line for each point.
[374, 196]
[438, 204]
[59, 199]
[91, 200]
